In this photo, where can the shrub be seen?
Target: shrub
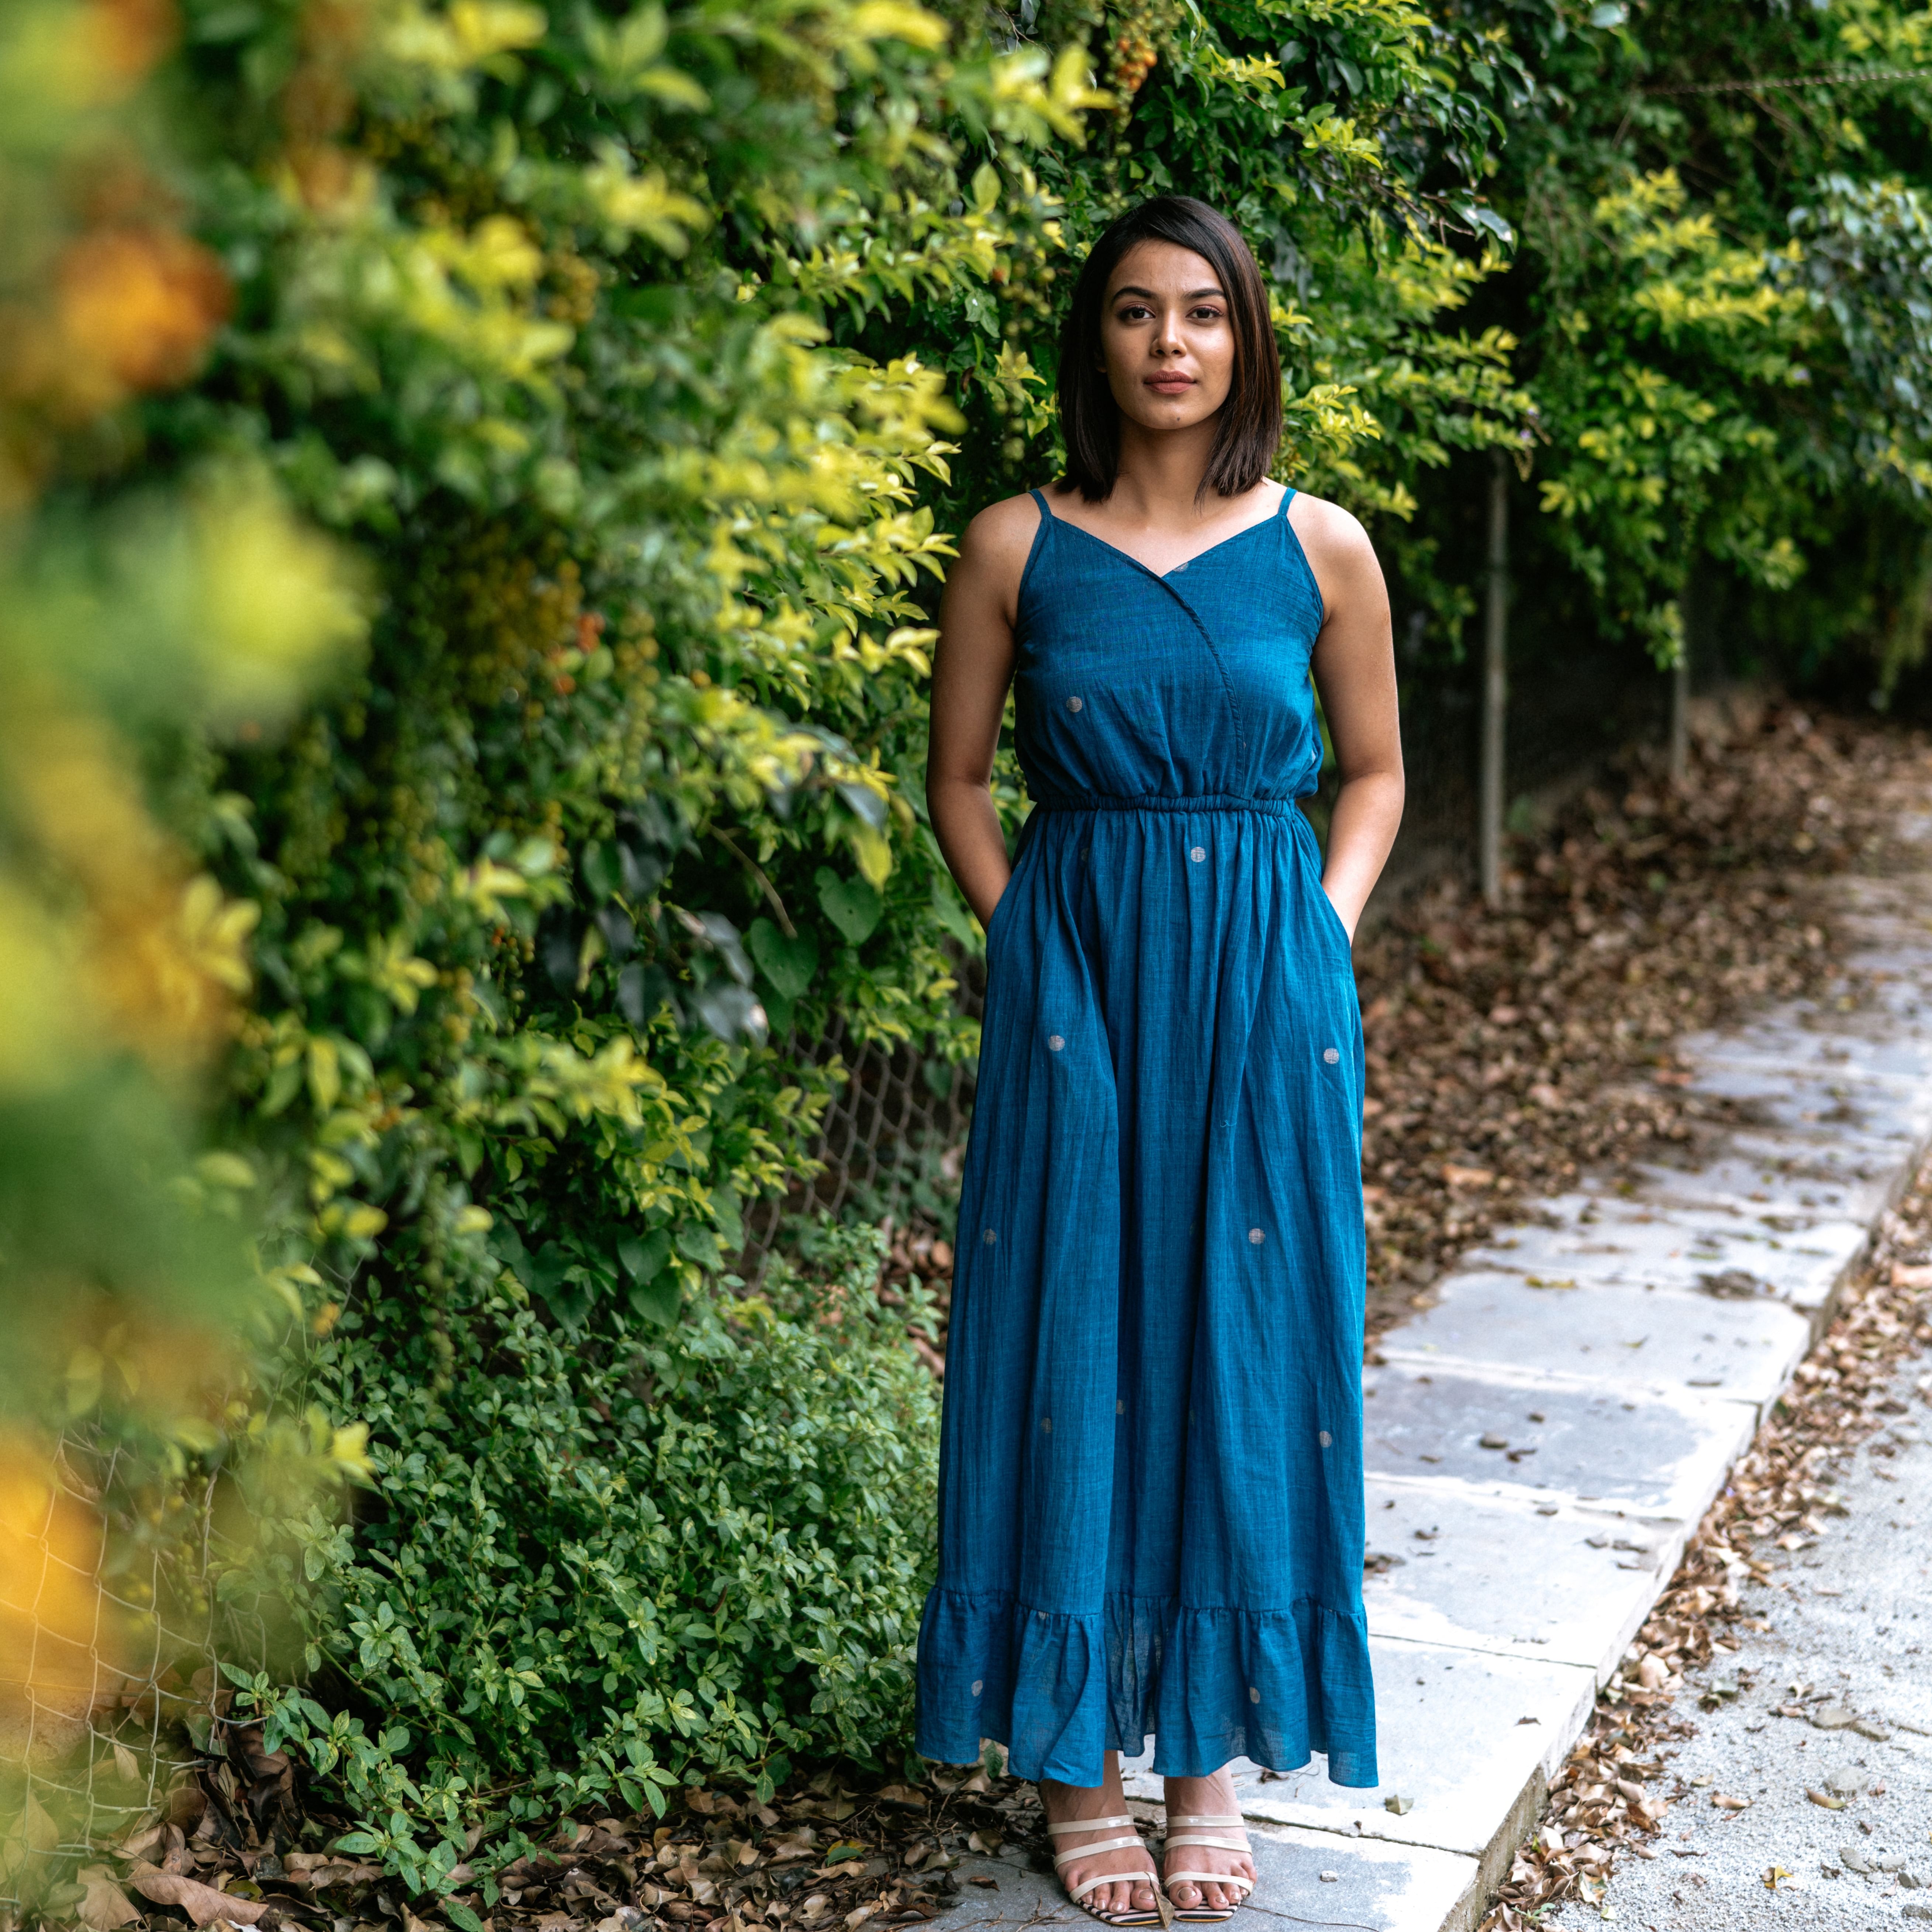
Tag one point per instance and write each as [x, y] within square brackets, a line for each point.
[600, 1564]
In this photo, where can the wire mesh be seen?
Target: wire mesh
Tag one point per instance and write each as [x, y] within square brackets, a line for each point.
[897, 1123]
[109, 1686]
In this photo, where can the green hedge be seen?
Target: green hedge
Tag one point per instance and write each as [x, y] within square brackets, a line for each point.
[592, 1568]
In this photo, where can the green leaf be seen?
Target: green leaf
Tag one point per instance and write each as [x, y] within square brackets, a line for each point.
[659, 1300]
[730, 1219]
[643, 1258]
[699, 1245]
[602, 870]
[790, 965]
[854, 906]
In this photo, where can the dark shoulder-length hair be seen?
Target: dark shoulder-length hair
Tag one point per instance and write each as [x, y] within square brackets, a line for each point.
[1249, 432]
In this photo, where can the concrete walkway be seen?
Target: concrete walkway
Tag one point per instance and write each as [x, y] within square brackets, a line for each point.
[1851, 1622]
[1542, 1442]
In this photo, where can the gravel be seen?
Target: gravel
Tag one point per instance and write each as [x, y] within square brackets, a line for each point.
[1850, 1636]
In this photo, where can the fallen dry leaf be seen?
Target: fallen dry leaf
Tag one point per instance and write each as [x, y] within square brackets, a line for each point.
[202, 1903]
[103, 1905]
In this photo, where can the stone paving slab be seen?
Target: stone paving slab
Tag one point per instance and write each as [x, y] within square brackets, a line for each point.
[1864, 1634]
[1309, 1878]
[1867, 1171]
[1799, 1039]
[1643, 1339]
[1772, 1180]
[1458, 1730]
[1615, 1241]
[1659, 1456]
[1545, 1581]
[1886, 1114]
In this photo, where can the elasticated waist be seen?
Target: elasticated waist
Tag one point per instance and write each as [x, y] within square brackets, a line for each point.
[1202, 801]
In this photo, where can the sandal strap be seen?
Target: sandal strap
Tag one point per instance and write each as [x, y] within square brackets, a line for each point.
[1246, 1884]
[1134, 1844]
[1206, 1838]
[1088, 1824]
[1080, 1891]
[1205, 1818]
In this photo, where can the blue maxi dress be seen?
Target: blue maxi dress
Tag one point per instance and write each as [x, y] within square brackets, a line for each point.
[1150, 1476]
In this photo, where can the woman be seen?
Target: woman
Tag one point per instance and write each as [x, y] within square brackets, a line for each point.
[1151, 1482]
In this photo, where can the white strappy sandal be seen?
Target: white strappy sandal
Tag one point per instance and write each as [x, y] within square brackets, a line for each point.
[1163, 1913]
[1204, 1914]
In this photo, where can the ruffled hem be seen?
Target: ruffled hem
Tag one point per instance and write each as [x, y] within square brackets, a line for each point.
[1060, 1689]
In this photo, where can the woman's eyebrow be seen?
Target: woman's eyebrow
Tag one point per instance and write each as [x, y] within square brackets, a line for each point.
[1149, 295]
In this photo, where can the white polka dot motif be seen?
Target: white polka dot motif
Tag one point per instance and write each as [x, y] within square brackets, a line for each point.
[1256, 1237]
[1199, 853]
[1331, 1054]
[1054, 1043]
[1073, 704]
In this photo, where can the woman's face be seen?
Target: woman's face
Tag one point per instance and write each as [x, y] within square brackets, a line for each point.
[1165, 337]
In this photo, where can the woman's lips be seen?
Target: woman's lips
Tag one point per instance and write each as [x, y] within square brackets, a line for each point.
[1169, 384]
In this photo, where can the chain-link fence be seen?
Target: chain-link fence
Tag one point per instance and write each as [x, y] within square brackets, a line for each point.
[892, 1136]
[108, 1687]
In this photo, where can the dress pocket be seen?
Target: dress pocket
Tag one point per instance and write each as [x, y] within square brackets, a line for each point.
[1325, 911]
[997, 919]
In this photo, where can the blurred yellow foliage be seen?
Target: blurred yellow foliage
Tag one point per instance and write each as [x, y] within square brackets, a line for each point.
[193, 606]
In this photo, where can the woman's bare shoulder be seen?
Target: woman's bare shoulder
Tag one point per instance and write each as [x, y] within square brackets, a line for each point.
[1002, 528]
[1337, 531]
[993, 554]
[1347, 571]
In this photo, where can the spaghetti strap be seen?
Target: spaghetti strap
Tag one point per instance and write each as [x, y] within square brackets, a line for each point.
[1045, 511]
[1287, 497]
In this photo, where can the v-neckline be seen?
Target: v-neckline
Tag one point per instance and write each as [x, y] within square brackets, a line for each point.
[1277, 514]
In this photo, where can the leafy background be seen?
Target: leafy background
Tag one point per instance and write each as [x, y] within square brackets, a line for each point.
[474, 484]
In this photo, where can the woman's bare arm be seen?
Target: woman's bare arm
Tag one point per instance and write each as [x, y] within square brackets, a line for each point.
[971, 669]
[1354, 671]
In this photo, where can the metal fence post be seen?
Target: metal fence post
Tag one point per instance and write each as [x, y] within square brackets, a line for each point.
[1495, 683]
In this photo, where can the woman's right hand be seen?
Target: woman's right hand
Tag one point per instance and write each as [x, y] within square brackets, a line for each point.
[972, 668]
